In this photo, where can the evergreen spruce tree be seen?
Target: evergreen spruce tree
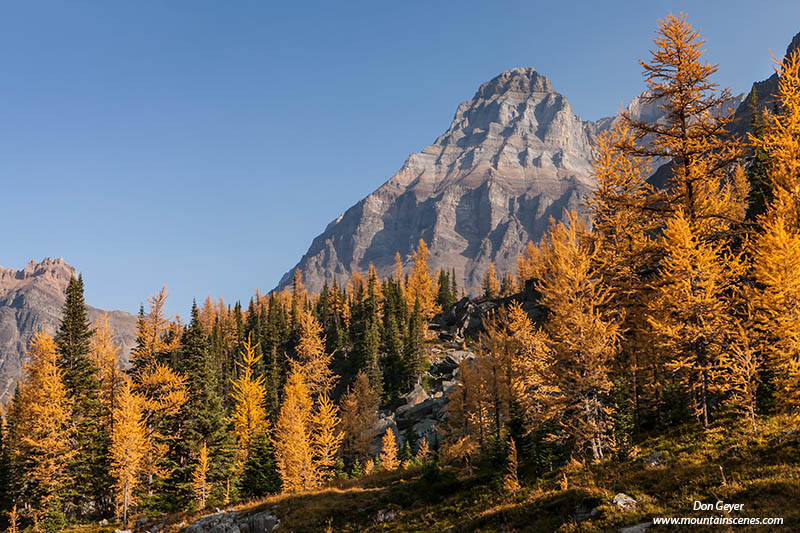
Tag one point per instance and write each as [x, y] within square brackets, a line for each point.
[370, 349]
[453, 286]
[415, 359]
[444, 296]
[89, 471]
[202, 416]
[260, 476]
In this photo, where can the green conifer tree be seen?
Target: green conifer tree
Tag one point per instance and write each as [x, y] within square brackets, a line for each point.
[202, 416]
[260, 476]
[89, 470]
[415, 359]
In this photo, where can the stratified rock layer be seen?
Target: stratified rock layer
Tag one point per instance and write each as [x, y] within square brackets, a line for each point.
[514, 156]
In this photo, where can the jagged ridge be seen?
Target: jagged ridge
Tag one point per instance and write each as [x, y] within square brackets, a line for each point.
[31, 300]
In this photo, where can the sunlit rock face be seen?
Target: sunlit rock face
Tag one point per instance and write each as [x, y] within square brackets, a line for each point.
[514, 156]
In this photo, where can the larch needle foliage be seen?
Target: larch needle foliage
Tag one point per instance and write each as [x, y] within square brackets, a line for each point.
[313, 360]
[388, 456]
[693, 133]
[200, 477]
[292, 438]
[582, 336]
[48, 431]
[623, 234]
[129, 448]
[491, 287]
[326, 437]
[249, 414]
[105, 353]
[692, 311]
[511, 480]
[776, 261]
[780, 141]
[359, 413]
[420, 285]
[153, 340]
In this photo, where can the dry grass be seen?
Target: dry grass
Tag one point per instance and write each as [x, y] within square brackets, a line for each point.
[762, 471]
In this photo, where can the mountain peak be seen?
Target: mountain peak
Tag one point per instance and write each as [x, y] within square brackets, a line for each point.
[53, 273]
[514, 156]
[521, 81]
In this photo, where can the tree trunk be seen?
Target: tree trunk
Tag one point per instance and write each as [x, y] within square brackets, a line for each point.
[704, 398]
[125, 506]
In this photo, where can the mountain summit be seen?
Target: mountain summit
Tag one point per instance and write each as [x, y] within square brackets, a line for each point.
[513, 156]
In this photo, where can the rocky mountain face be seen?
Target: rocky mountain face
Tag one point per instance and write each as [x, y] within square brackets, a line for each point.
[514, 156]
[764, 91]
[31, 300]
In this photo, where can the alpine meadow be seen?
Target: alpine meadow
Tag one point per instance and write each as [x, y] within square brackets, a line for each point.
[539, 323]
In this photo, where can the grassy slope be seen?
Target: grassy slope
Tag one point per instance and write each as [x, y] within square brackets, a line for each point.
[761, 471]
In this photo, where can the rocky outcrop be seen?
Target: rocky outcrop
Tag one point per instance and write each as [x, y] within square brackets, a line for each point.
[31, 300]
[513, 156]
[420, 413]
[235, 522]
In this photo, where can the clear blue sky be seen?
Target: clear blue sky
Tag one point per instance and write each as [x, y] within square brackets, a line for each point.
[203, 145]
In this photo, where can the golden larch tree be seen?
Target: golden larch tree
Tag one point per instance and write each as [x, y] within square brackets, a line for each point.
[388, 456]
[423, 450]
[623, 224]
[781, 143]
[359, 408]
[105, 353]
[249, 413]
[398, 270]
[508, 285]
[692, 134]
[582, 337]
[152, 333]
[745, 366]
[490, 285]
[294, 453]
[313, 361]
[531, 366]
[527, 264]
[200, 483]
[369, 466]
[420, 285]
[776, 266]
[511, 479]
[129, 448]
[326, 437]
[691, 312]
[163, 392]
[47, 440]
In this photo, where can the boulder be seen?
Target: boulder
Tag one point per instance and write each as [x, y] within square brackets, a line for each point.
[655, 459]
[427, 428]
[624, 502]
[385, 516]
[587, 509]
